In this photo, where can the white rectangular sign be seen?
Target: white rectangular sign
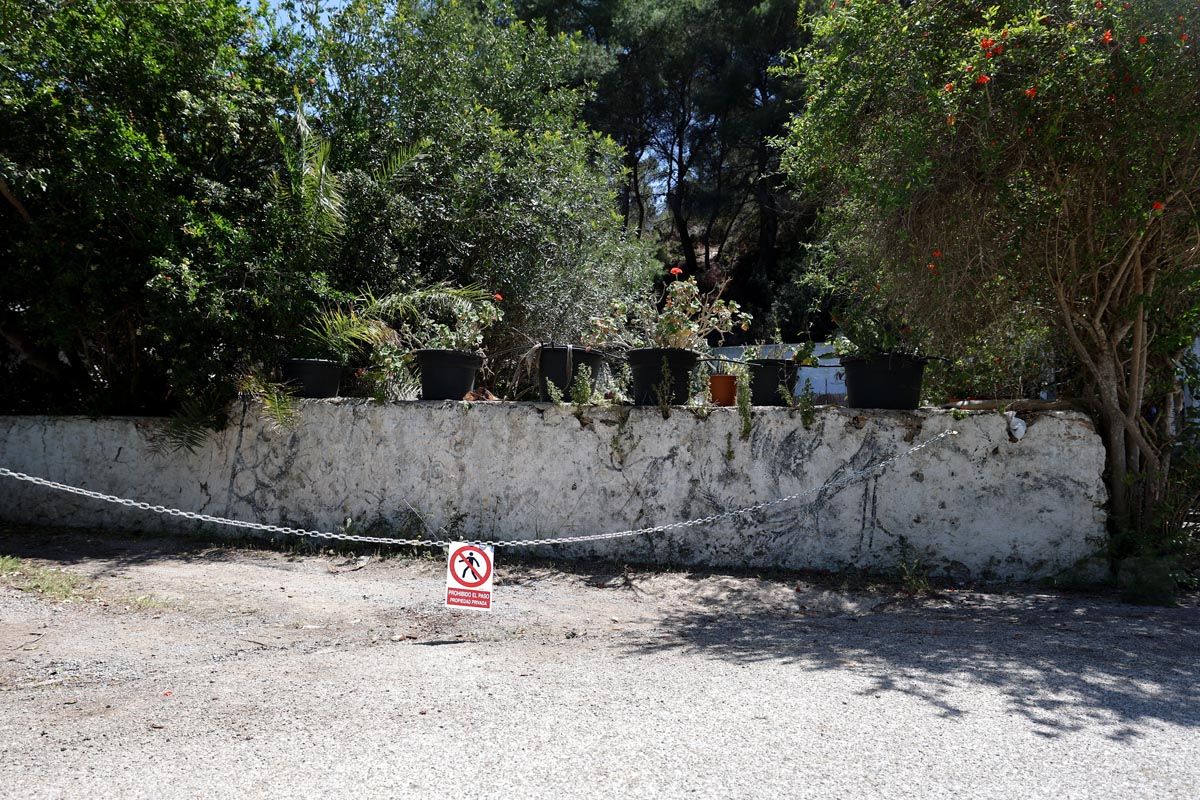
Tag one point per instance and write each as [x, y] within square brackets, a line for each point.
[469, 575]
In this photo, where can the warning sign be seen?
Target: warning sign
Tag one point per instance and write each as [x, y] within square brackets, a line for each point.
[469, 576]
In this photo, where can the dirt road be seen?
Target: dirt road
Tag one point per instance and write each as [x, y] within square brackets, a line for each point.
[169, 669]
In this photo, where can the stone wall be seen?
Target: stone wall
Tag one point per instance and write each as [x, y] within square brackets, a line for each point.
[973, 505]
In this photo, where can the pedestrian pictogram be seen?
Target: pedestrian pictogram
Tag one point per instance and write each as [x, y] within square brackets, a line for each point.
[469, 576]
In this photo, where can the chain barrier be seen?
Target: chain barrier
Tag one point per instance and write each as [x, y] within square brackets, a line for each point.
[842, 480]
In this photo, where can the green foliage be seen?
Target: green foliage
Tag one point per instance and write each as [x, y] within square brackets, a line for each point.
[869, 337]
[851, 305]
[805, 403]
[997, 173]
[912, 573]
[582, 388]
[1004, 362]
[554, 393]
[188, 429]
[59, 584]
[137, 146]
[457, 324]
[338, 333]
[276, 400]
[178, 214]
[743, 404]
[510, 190]
[308, 191]
[682, 317]
[687, 89]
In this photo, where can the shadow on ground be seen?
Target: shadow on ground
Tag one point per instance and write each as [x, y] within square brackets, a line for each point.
[1064, 663]
[73, 546]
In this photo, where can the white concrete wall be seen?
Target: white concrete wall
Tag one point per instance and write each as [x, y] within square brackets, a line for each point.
[975, 505]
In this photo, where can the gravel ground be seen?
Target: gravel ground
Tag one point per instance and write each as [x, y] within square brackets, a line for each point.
[180, 670]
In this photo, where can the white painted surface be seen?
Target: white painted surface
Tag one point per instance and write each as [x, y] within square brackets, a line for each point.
[973, 505]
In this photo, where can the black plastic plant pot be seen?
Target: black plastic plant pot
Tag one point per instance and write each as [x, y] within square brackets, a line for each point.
[556, 361]
[767, 375]
[884, 381]
[447, 374]
[646, 364]
[312, 377]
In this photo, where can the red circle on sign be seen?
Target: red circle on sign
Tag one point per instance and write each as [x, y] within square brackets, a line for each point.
[487, 563]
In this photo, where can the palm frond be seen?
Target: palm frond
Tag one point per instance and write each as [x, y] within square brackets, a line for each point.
[190, 427]
[410, 304]
[340, 331]
[399, 161]
[310, 185]
[276, 400]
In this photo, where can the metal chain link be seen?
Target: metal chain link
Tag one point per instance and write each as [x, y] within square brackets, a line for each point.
[848, 477]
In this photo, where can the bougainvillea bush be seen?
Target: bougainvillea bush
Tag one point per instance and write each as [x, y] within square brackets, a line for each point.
[1023, 163]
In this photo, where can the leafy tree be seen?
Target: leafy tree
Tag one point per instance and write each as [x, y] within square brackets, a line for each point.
[503, 186]
[135, 151]
[1033, 160]
[687, 88]
[184, 186]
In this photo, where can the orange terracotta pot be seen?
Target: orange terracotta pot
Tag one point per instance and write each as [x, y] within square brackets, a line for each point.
[723, 389]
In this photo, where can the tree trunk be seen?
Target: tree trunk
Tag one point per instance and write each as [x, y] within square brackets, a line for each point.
[768, 224]
[686, 243]
[1113, 432]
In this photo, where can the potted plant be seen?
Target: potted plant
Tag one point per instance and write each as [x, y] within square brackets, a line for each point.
[882, 363]
[560, 364]
[666, 336]
[722, 388]
[336, 334]
[449, 339]
[773, 373]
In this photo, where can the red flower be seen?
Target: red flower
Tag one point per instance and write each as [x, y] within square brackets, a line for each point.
[1158, 205]
[499, 298]
[676, 271]
[932, 268]
[986, 43]
[1099, 4]
[1183, 37]
[1031, 92]
[983, 79]
[1107, 37]
[949, 87]
[998, 49]
[1142, 40]
[937, 253]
